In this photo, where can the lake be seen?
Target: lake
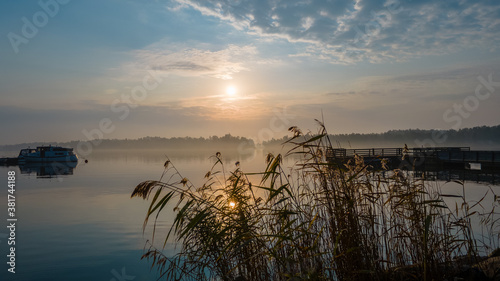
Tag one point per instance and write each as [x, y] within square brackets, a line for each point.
[83, 225]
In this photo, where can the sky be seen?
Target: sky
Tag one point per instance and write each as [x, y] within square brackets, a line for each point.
[76, 70]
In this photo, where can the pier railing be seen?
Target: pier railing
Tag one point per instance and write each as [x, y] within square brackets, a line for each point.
[440, 154]
[364, 152]
[391, 152]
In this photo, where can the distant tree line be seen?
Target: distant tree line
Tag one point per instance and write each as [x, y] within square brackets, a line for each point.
[476, 137]
[227, 142]
[483, 136]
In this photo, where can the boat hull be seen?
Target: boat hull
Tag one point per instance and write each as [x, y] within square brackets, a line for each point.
[34, 159]
[47, 154]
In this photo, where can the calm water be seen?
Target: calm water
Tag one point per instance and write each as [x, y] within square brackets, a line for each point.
[85, 226]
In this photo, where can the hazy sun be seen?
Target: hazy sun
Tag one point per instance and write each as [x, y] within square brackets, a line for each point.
[231, 91]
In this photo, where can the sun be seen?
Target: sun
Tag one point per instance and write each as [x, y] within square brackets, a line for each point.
[231, 91]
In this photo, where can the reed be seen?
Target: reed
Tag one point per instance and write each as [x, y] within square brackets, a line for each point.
[317, 221]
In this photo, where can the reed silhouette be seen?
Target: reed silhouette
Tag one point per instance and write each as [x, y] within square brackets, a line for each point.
[316, 221]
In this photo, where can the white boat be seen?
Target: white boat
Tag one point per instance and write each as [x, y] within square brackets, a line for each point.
[44, 154]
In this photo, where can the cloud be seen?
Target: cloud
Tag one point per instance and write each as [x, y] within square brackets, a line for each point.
[352, 31]
[169, 120]
[336, 94]
[222, 64]
[450, 74]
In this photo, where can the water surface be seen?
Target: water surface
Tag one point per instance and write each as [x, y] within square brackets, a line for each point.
[83, 225]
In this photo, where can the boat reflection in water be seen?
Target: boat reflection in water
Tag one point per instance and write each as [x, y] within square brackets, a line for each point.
[46, 161]
[48, 170]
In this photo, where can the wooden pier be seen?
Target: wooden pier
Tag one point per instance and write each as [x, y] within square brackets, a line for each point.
[8, 161]
[458, 157]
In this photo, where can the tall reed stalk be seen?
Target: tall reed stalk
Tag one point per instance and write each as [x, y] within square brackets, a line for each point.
[319, 221]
